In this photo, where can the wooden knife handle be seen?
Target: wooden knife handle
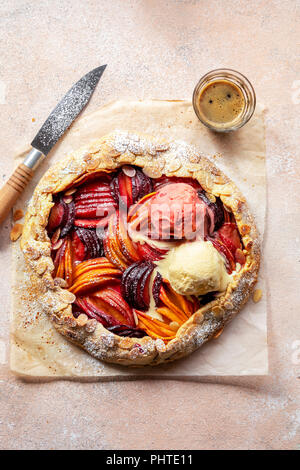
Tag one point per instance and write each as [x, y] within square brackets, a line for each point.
[13, 188]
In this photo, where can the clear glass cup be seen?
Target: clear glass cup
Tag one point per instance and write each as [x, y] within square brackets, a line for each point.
[238, 80]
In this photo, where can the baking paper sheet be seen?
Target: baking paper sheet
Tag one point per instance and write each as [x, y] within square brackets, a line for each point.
[37, 350]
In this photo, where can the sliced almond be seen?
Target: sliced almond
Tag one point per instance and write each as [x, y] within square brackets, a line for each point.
[211, 197]
[82, 319]
[228, 305]
[67, 199]
[70, 321]
[67, 296]
[257, 295]
[240, 257]
[55, 236]
[218, 333]
[136, 320]
[238, 267]
[129, 171]
[58, 281]
[217, 310]
[194, 158]
[174, 325]
[174, 165]
[71, 191]
[16, 232]
[93, 164]
[91, 325]
[160, 345]
[57, 245]
[245, 229]
[219, 180]
[18, 214]
[152, 171]
[112, 152]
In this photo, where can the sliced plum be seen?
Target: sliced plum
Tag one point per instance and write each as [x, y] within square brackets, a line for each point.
[156, 288]
[56, 216]
[223, 249]
[124, 330]
[79, 248]
[129, 189]
[216, 208]
[229, 235]
[150, 253]
[94, 312]
[135, 280]
[92, 242]
[68, 220]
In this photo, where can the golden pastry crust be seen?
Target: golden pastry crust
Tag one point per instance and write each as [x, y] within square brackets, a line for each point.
[156, 157]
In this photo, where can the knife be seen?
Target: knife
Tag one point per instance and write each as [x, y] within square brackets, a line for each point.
[53, 128]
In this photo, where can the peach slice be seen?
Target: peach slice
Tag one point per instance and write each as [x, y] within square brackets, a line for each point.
[93, 264]
[155, 328]
[169, 314]
[111, 298]
[91, 283]
[127, 245]
[68, 258]
[168, 298]
[92, 274]
[59, 261]
[111, 246]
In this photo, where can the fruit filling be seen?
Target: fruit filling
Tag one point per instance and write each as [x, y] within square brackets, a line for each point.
[142, 256]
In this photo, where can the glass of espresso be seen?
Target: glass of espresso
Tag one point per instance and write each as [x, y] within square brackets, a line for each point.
[224, 100]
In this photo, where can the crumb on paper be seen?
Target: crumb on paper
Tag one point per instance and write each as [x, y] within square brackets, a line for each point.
[16, 232]
[257, 295]
[18, 214]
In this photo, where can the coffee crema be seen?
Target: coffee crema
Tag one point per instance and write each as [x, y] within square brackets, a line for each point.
[221, 103]
[224, 100]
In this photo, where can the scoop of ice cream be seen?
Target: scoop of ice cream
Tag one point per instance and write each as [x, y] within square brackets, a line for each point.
[195, 268]
[173, 212]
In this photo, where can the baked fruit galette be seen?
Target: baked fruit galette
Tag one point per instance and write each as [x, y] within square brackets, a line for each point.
[140, 249]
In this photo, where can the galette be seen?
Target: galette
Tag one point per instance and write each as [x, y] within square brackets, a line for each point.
[140, 249]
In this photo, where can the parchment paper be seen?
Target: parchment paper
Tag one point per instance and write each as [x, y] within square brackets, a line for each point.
[37, 350]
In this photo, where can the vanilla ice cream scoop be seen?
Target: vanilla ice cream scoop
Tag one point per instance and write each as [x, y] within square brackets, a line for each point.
[195, 268]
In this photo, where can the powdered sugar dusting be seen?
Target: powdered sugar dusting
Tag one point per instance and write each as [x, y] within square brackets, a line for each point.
[282, 164]
[123, 141]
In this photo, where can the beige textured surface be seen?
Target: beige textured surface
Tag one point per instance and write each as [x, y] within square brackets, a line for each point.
[38, 350]
[160, 49]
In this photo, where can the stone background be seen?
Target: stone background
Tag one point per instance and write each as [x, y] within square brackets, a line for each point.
[159, 49]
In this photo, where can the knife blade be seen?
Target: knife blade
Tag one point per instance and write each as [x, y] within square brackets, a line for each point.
[53, 128]
[66, 111]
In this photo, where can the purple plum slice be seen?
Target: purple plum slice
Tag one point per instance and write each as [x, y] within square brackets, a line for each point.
[69, 217]
[216, 207]
[156, 288]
